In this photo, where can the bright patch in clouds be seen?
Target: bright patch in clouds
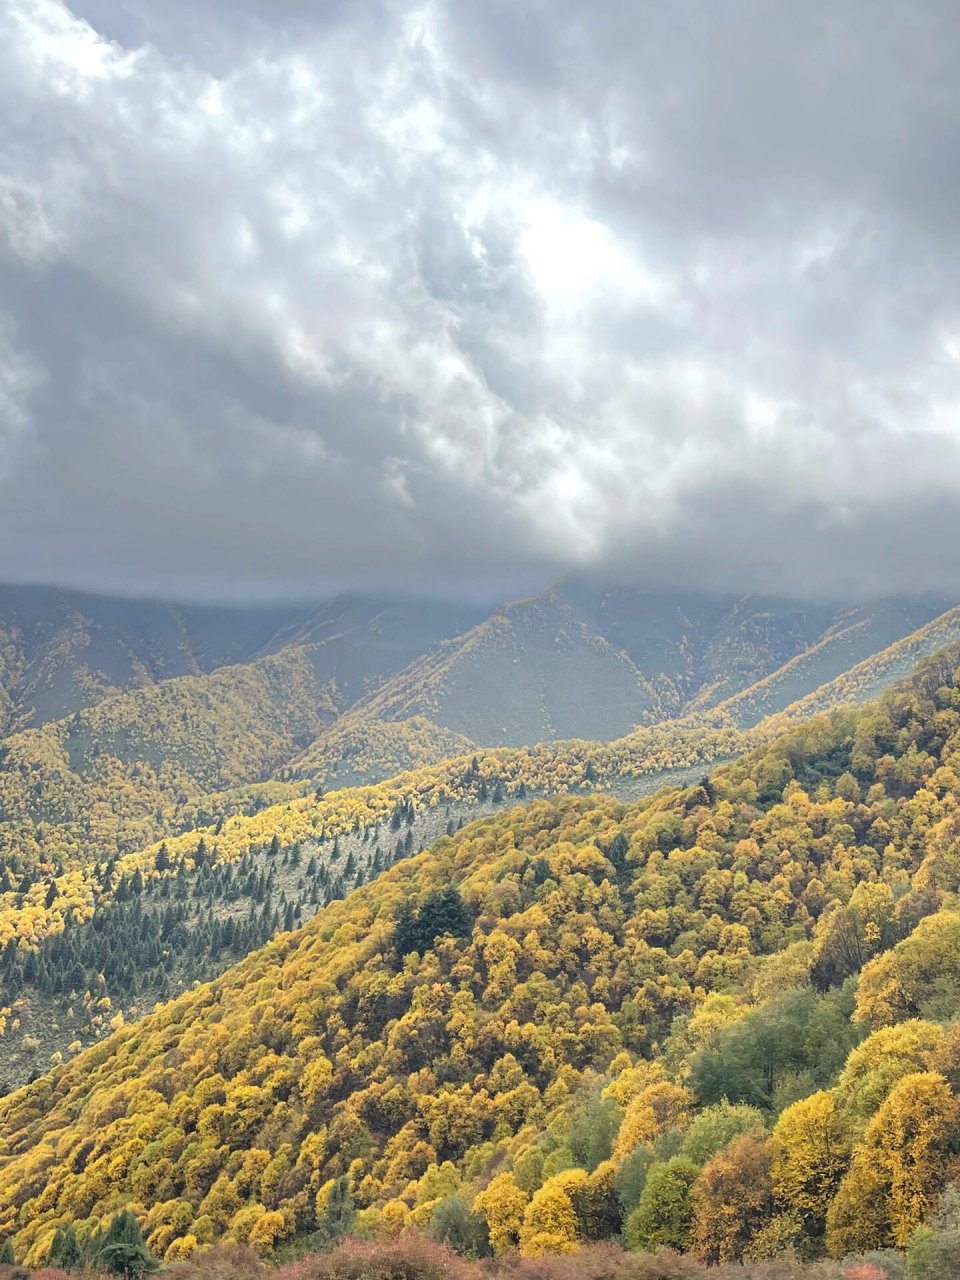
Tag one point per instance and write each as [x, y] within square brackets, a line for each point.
[567, 255]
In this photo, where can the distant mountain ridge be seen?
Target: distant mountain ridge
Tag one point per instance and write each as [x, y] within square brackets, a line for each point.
[573, 661]
[64, 650]
[360, 689]
[594, 664]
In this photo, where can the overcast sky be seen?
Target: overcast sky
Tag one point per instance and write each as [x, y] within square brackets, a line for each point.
[460, 297]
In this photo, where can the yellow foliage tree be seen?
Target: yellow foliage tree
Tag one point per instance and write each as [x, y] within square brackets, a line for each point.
[908, 1155]
[811, 1153]
[550, 1219]
[393, 1218]
[502, 1204]
[655, 1109]
[266, 1231]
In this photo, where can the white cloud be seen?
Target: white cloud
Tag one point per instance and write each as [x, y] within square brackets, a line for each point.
[20, 377]
[519, 289]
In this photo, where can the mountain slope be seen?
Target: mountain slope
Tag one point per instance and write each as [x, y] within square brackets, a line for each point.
[97, 802]
[830, 673]
[114, 776]
[61, 651]
[426, 764]
[361, 639]
[356, 750]
[64, 650]
[226, 755]
[696, 648]
[133, 764]
[581, 946]
[532, 671]
[574, 663]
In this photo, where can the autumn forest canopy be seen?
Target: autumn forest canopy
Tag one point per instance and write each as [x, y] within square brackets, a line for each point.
[489, 1003]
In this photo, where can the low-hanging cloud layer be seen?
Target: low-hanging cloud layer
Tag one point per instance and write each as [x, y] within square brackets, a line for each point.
[297, 297]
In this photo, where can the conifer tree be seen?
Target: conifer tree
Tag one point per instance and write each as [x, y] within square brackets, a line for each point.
[121, 1250]
[338, 1217]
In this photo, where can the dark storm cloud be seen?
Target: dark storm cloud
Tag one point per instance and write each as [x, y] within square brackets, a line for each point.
[296, 297]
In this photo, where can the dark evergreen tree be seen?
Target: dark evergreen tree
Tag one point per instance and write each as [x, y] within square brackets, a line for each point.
[338, 1217]
[121, 1249]
[442, 912]
[65, 1251]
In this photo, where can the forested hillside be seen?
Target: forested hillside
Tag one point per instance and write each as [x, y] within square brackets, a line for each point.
[358, 750]
[263, 754]
[117, 775]
[63, 651]
[327, 704]
[135, 802]
[45, 896]
[722, 1019]
[127, 767]
[128, 938]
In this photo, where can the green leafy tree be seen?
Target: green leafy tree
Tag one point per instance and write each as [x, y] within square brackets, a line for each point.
[933, 1251]
[65, 1251]
[714, 1127]
[441, 912]
[631, 1176]
[593, 1132]
[664, 1213]
[455, 1224]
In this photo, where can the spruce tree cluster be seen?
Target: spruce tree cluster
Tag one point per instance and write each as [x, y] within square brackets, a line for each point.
[119, 1250]
[441, 912]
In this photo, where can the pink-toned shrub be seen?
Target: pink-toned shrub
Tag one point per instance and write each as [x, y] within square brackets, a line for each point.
[412, 1257]
[415, 1257]
[223, 1262]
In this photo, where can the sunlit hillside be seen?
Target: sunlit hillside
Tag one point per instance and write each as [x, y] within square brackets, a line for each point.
[722, 1018]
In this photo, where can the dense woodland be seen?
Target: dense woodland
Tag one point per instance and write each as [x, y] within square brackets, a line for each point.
[155, 935]
[244, 819]
[188, 753]
[722, 1021]
[114, 776]
[133, 774]
[294, 810]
